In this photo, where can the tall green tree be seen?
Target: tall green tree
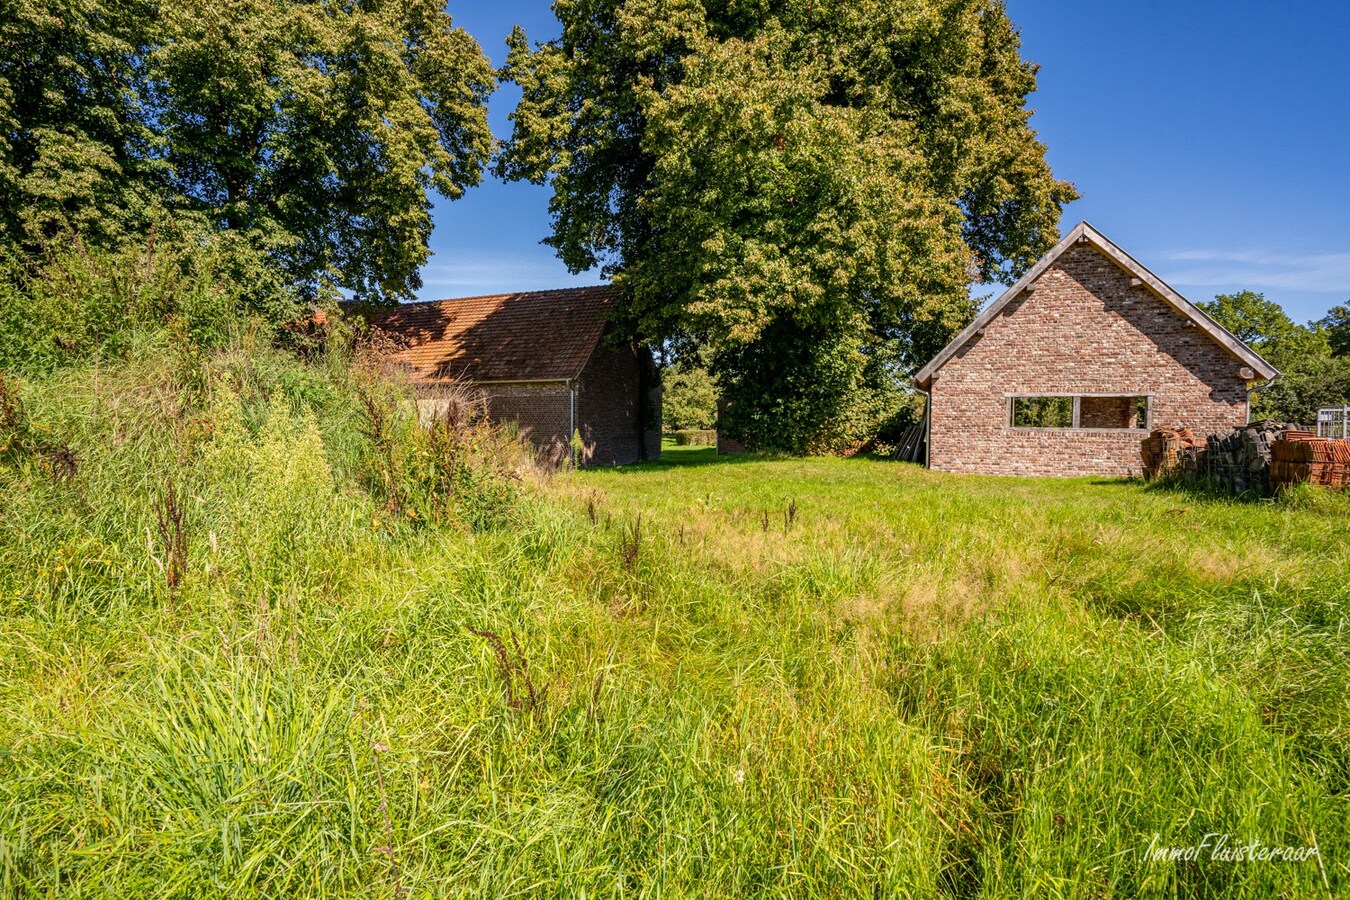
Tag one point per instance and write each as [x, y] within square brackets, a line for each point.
[1266, 327]
[75, 142]
[806, 188]
[320, 128]
[310, 133]
[689, 397]
[1251, 318]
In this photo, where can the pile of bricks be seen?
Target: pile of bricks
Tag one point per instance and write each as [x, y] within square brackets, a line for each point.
[1301, 457]
[1162, 451]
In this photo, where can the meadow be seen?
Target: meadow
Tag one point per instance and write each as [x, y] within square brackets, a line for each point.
[701, 677]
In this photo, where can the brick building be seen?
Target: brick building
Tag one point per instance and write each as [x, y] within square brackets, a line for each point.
[1075, 363]
[546, 360]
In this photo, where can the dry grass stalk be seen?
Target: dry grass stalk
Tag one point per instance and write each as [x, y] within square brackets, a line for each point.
[172, 535]
[517, 685]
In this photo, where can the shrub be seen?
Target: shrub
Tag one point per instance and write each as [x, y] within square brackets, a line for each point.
[83, 301]
[807, 389]
[907, 412]
[695, 437]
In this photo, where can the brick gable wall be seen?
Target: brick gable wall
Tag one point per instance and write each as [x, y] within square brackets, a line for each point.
[1084, 330]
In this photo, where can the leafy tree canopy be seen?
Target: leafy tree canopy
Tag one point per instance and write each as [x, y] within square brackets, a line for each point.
[689, 397]
[75, 146]
[311, 132]
[1337, 325]
[770, 180]
[1250, 317]
[1264, 325]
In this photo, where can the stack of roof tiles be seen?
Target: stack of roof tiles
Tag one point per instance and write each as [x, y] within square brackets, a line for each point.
[1251, 459]
[1162, 449]
[1303, 458]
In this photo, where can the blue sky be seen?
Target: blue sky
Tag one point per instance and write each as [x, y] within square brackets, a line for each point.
[1210, 139]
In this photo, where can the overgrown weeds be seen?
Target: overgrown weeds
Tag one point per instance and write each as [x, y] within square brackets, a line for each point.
[21, 441]
[385, 460]
[75, 302]
[169, 516]
[922, 685]
[437, 458]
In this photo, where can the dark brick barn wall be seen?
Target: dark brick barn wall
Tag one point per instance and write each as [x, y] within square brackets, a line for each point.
[615, 420]
[607, 411]
[541, 411]
[1083, 330]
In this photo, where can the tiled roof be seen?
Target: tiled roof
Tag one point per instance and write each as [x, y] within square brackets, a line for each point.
[530, 336]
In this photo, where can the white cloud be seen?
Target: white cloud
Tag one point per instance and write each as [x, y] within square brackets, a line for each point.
[1327, 273]
[460, 273]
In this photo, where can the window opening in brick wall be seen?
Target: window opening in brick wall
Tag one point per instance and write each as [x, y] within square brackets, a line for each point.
[1113, 412]
[1042, 412]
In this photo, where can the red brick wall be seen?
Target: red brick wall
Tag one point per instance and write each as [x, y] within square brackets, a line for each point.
[1083, 330]
[615, 427]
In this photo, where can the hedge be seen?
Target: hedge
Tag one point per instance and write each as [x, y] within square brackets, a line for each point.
[698, 437]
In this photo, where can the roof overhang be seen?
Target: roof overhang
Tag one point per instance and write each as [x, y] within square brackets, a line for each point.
[1085, 233]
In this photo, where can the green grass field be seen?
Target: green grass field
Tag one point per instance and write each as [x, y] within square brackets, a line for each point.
[698, 677]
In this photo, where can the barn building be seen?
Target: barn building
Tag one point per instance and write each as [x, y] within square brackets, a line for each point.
[546, 360]
[1066, 371]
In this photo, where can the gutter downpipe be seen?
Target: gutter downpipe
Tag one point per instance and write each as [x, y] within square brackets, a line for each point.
[927, 427]
[1260, 387]
[572, 417]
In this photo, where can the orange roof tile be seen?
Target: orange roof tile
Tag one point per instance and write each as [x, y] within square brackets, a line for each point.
[530, 336]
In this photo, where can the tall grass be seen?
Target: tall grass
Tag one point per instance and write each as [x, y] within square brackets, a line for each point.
[765, 678]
